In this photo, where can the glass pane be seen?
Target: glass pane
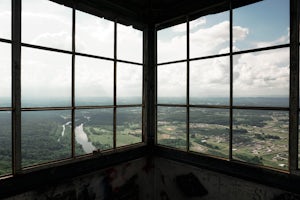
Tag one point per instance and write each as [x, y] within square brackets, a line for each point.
[262, 24]
[209, 81]
[209, 35]
[47, 24]
[94, 130]
[171, 127]
[94, 35]
[46, 78]
[94, 81]
[5, 143]
[129, 44]
[5, 77]
[5, 19]
[171, 83]
[46, 136]
[261, 137]
[129, 126]
[209, 131]
[262, 78]
[171, 43]
[129, 83]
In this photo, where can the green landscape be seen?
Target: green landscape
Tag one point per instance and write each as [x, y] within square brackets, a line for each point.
[46, 135]
[259, 137]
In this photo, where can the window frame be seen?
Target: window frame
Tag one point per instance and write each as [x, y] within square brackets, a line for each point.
[17, 109]
[292, 108]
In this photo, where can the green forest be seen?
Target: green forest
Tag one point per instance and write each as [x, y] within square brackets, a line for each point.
[46, 135]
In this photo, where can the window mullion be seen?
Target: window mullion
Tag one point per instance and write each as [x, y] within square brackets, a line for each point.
[231, 77]
[73, 80]
[188, 84]
[16, 86]
[294, 86]
[115, 88]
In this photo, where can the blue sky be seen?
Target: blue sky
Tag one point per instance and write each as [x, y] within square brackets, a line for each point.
[264, 74]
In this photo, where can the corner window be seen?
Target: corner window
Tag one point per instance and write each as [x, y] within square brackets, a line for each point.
[77, 96]
[228, 91]
[5, 89]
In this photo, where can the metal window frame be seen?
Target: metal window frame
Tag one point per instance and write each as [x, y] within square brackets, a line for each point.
[17, 109]
[293, 107]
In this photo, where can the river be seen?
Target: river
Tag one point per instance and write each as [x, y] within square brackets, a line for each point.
[82, 139]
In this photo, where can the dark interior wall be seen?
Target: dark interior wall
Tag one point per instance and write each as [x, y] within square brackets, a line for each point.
[168, 186]
[158, 179]
[129, 180]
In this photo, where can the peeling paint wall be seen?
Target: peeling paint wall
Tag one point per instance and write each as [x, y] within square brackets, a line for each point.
[161, 179]
[219, 186]
[128, 181]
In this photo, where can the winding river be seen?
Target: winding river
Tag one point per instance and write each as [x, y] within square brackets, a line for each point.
[80, 136]
[82, 139]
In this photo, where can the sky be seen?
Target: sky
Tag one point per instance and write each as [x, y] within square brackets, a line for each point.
[48, 24]
[48, 74]
[263, 74]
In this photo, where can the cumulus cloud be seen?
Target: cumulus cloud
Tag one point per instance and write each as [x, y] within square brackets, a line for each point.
[209, 77]
[129, 80]
[262, 73]
[94, 35]
[52, 28]
[281, 40]
[93, 78]
[129, 44]
[44, 76]
[255, 74]
[171, 80]
[5, 69]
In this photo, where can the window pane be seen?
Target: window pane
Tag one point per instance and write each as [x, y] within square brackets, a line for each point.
[261, 24]
[171, 43]
[5, 77]
[261, 137]
[129, 83]
[171, 127]
[94, 130]
[5, 143]
[46, 136]
[209, 131]
[209, 81]
[94, 79]
[209, 35]
[129, 44]
[261, 78]
[46, 78]
[5, 19]
[171, 83]
[129, 126]
[47, 24]
[94, 35]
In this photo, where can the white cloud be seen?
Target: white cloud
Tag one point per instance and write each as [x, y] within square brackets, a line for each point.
[5, 69]
[209, 78]
[129, 44]
[129, 80]
[281, 40]
[46, 23]
[94, 35]
[262, 74]
[197, 23]
[93, 77]
[43, 76]
[171, 80]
